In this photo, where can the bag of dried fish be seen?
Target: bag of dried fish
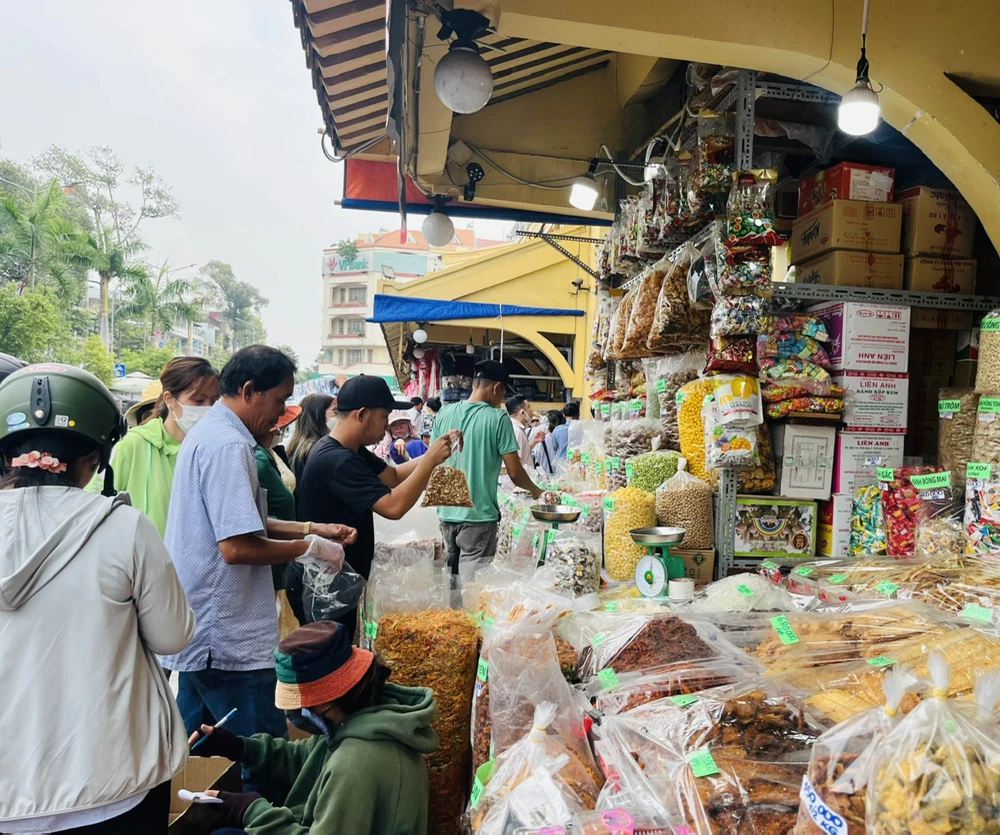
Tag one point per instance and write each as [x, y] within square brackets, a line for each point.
[835, 785]
[576, 559]
[937, 771]
[447, 487]
[538, 781]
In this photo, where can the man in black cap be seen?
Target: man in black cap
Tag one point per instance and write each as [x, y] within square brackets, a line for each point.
[470, 533]
[342, 480]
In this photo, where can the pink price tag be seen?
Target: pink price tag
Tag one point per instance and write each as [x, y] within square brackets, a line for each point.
[618, 822]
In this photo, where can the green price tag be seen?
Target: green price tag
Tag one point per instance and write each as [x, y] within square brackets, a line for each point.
[628, 471]
[550, 537]
[585, 457]
[483, 669]
[949, 407]
[702, 763]
[609, 503]
[483, 774]
[570, 501]
[989, 404]
[684, 700]
[974, 611]
[887, 588]
[931, 481]
[487, 623]
[605, 409]
[661, 386]
[744, 589]
[516, 532]
[599, 638]
[976, 470]
[477, 619]
[884, 473]
[881, 661]
[679, 397]
[989, 324]
[371, 629]
[784, 629]
[769, 564]
[803, 570]
[598, 467]
[608, 678]
[612, 606]
[614, 462]
[838, 578]
[585, 511]
[635, 404]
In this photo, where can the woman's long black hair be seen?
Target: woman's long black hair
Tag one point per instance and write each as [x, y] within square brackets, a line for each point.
[309, 428]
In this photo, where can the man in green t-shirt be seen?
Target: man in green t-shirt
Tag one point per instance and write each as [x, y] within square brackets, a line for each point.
[470, 533]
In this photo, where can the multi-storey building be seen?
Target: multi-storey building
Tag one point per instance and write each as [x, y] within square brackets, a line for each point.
[350, 344]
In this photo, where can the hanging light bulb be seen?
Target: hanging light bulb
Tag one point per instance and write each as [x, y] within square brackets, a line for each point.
[583, 193]
[420, 336]
[470, 348]
[418, 353]
[438, 228]
[859, 110]
[462, 79]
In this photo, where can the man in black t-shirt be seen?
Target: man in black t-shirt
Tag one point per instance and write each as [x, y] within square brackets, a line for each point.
[344, 481]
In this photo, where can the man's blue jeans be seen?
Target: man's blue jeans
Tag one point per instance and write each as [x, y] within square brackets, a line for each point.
[205, 696]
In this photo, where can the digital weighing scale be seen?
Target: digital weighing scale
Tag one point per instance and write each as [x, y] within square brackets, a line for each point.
[654, 571]
[555, 515]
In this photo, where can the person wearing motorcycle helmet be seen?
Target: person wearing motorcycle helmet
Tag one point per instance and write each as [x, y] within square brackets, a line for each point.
[88, 596]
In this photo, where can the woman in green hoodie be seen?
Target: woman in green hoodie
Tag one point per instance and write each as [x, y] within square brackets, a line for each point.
[362, 772]
[144, 459]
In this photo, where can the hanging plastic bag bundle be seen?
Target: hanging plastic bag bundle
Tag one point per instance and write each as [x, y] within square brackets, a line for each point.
[751, 212]
[328, 594]
[939, 523]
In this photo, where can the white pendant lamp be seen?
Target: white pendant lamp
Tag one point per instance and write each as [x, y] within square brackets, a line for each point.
[438, 228]
[462, 79]
[420, 336]
[859, 108]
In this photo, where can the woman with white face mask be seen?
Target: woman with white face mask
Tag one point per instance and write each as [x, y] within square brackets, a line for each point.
[144, 459]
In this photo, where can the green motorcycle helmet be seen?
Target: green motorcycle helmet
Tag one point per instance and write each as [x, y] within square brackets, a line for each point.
[61, 398]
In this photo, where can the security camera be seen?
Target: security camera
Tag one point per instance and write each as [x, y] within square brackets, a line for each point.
[578, 283]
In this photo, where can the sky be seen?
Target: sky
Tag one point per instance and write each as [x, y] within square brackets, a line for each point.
[215, 94]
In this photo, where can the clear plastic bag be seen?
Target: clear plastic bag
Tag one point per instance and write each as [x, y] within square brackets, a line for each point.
[742, 314]
[802, 323]
[982, 508]
[575, 558]
[689, 400]
[702, 276]
[939, 525]
[685, 501]
[794, 371]
[777, 392]
[750, 272]
[782, 345]
[732, 354]
[900, 500]
[834, 787]
[643, 311]
[651, 469]
[447, 487]
[727, 445]
[329, 594]
[820, 405]
[675, 371]
[742, 593]
[716, 153]
[988, 370]
[625, 509]
[674, 314]
[867, 522]
[937, 770]
[751, 211]
[957, 409]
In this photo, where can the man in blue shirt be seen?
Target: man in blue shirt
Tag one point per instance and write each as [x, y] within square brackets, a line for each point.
[223, 546]
[560, 435]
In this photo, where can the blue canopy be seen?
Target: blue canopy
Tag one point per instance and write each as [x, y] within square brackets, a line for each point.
[412, 309]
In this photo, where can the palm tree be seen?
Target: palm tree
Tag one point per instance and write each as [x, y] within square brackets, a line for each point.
[160, 301]
[112, 260]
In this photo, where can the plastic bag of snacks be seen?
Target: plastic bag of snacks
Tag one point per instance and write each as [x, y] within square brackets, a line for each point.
[867, 522]
[702, 275]
[750, 271]
[835, 785]
[937, 770]
[776, 392]
[782, 345]
[686, 502]
[804, 324]
[716, 153]
[727, 445]
[619, 324]
[751, 211]
[674, 314]
[692, 434]
[957, 409]
[900, 499]
[737, 400]
[539, 781]
[940, 529]
[988, 370]
[447, 487]
[674, 372]
[986, 438]
[794, 371]
[758, 478]
[732, 354]
[575, 557]
[823, 405]
[651, 469]
[982, 508]
[740, 315]
[644, 311]
[624, 510]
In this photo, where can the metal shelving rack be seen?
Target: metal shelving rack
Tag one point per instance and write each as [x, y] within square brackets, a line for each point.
[911, 298]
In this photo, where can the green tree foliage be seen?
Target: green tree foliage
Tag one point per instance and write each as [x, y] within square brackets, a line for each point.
[96, 359]
[32, 326]
[158, 300]
[347, 249]
[148, 360]
[238, 301]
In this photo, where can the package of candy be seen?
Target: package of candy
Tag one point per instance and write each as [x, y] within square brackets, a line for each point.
[749, 271]
[794, 371]
[782, 345]
[737, 400]
[803, 323]
[751, 211]
[982, 508]
[939, 520]
[716, 152]
[741, 315]
[775, 392]
[732, 354]
[823, 405]
[900, 503]
[867, 522]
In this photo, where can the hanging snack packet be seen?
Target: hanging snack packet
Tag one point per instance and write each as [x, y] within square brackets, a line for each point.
[751, 211]
[750, 271]
[867, 522]
[702, 275]
[982, 508]
[737, 398]
[727, 445]
[940, 529]
[447, 487]
[732, 354]
[741, 315]
[900, 500]
[716, 152]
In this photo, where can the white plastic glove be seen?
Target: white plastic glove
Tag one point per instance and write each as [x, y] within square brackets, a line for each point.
[324, 551]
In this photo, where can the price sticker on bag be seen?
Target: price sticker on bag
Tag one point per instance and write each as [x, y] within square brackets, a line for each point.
[483, 669]
[605, 410]
[661, 386]
[612, 606]
[628, 472]
[702, 763]
[684, 700]
[745, 590]
[948, 408]
[974, 611]
[608, 678]
[881, 661]
[803, 570]
[769, 564]
[884, 473]
[599, 638]
[887, 588]
[784, 629]
[822, 815]
[609, 504]
[614, 463]
[483, 774]
[976, 469]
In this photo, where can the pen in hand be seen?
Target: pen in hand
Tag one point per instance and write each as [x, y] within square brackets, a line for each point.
[218, 724]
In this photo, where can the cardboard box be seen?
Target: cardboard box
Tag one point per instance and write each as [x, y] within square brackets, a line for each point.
[858, 454]
[937, 221]
[833, 531]
[968, 345]
[847, 268]
[199, 774]
[866, 336]
[698, 565]
[847, 224]
[940, 275]
[965, 373]
[936, 319]
[804, 458]
[932, 352]
[874, 402]
[769, 527]
[846, 181]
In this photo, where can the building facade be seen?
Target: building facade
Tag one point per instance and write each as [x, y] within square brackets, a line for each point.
[351, 345]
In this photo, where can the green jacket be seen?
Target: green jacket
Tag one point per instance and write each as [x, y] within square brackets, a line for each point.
[370, 779]
[280, 501]
[143, 462]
